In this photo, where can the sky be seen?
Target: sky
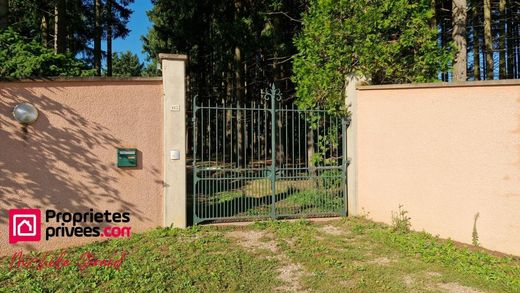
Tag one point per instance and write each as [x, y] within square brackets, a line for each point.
[138, 25]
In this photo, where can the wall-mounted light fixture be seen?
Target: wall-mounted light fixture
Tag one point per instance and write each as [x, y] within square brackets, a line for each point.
[25, 113]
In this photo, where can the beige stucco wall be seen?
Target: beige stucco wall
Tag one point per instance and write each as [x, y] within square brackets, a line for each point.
[446, 153]
[68, 159]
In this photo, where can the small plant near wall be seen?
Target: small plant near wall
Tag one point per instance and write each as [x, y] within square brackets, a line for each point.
[364, 214]
[401, 221]
[474, 235]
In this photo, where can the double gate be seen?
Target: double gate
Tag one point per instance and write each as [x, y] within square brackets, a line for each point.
[267, 159]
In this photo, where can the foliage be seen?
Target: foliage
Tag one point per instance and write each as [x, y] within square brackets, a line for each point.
[387, 41]
[150, 69]
[21, 58]
[73, 20]
[501, 272]
[356, 255]
[401, 221]
[120, 17]
[126, 64]
[312, 200]
[163, 260]
[235, 48]
[348, 255]
[331, 179]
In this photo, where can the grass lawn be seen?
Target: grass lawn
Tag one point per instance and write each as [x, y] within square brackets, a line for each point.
[345, 255]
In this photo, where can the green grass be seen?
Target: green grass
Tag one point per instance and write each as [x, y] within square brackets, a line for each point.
[353, 255]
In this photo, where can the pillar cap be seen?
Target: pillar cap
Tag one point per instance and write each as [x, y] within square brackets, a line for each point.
[179, 57]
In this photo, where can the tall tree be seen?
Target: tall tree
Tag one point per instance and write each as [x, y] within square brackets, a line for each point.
[110, 21]
[502, 35]
[69, 26]
[443, 15]
[512, 36]
[459, 16]
[509, 40]
[60, 26]
[117, 16]
[49, 23]
[236, 47]
[488, 40]
[44, 30]
[97, 37]
[4, 13]
[476, 41]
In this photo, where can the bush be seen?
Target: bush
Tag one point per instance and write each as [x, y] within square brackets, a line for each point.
[20, 58]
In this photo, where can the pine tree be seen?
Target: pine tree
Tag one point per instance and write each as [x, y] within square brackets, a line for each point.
[97, 36]
[459, 16]
[4, 12]
[488, 40]
[117, 16]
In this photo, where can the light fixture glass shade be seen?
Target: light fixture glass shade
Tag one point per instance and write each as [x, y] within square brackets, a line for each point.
[25, 113]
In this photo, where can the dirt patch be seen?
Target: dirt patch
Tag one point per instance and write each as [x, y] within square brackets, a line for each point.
[457, 288]
[433, 274]
[290, 273]
[252, 239]
[384, 261]
[291, 241]
[408, 281]
[332, 230]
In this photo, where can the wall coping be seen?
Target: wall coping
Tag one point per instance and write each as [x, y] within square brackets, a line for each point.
[180, 57]
[81, 79]
[503, 82]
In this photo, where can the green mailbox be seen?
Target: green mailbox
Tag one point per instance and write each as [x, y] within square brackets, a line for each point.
[126, 157]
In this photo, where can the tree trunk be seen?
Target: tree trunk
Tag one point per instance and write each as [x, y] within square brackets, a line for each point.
[63, 27]
[476, 44]
[238, 89]
[44, 33]
[56, 30]
[459, 37]
[97, 38]
[502, 36]
[516, 71]
[229, 114]
[4, 14]
[109, 37]
[488, 39]
[510, 42]
[443, 44]
[310, 152]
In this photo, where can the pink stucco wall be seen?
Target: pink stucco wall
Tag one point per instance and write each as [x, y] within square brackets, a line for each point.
[445, 153]
[67, 160]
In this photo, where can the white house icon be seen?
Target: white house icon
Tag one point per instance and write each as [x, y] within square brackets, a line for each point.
[27, 221]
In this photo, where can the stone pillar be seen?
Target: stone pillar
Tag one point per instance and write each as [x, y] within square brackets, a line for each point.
[174, 105]
[352, 81]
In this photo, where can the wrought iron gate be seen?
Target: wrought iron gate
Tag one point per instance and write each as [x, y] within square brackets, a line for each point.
[267, 159]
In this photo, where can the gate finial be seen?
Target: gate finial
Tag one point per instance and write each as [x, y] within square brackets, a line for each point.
[272, 93]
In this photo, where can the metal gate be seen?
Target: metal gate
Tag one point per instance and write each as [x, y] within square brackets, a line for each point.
[267, 159]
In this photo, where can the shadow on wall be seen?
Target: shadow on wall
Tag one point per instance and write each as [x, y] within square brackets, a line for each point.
[58, 167]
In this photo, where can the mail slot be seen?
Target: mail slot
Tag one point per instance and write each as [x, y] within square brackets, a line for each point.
[126, 157]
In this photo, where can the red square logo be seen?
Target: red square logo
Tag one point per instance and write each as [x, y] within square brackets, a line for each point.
[24, 225]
